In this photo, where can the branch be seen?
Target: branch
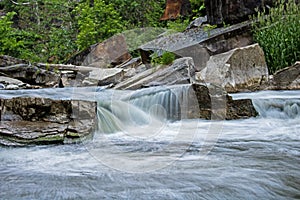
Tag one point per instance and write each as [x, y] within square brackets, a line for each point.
[64, 67]
[16, 3]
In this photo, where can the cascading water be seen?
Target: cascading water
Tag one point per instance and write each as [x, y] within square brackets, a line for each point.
[278, 108]
[142, 107]
[255, 158]
[281, 104]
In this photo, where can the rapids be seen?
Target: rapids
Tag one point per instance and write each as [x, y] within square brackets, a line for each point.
[143, 151]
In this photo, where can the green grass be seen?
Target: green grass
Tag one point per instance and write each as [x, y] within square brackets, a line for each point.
[278, 33]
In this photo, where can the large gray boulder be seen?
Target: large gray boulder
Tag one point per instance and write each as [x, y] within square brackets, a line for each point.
[241, 69]
[287, 78]
[32, 120]
[179, 72]
[101, 77]
[108, 53]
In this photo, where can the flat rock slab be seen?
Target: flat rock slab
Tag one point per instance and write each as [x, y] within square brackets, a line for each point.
[179, 72]
[34, 120]
[25, 132]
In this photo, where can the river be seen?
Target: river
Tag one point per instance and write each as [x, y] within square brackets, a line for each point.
[256, 158]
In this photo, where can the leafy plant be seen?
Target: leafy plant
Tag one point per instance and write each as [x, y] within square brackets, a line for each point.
[96, 22]
[208, 27]
[165, 59]
[13, 41]
[9, 43]
[278, 34]
[139, 13]
[198, 8]
[45, 29]
[178, 25]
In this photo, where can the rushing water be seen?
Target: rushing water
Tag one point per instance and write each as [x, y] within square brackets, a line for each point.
[149, 157]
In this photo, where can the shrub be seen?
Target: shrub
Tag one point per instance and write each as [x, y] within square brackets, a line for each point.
[42, 29]
[139, 13]
[278, 34]
[165, 59]
[13, 41]
[198, 8]
[96, 22]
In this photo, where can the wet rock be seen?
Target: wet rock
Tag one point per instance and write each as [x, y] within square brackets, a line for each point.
[241, 69]
[26, 132]
[30, 120]
[215, 104]
[240, 109]
[287, 78]
[193, 101]
[179, 72]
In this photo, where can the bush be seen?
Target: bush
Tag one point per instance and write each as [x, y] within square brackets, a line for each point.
[278, 34]
[43, 29]
[96, 22]
[139, 13]
[9, 42]
[13, 41]
[165, 59]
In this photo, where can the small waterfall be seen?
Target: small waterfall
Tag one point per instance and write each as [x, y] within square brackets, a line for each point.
[145, 107]
[278, 108]
[274, 104]
[159, 102]
[116, 115]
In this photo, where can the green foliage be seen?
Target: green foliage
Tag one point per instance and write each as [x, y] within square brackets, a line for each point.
[198, 8]
[178, 25]
[45, 28]
[12, 41]
[278, 34]
[139, 13]
[96, 23]
[9, 42]
[208, 27]
[165, 59]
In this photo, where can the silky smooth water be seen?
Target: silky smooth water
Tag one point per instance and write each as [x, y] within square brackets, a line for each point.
[153, 158]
